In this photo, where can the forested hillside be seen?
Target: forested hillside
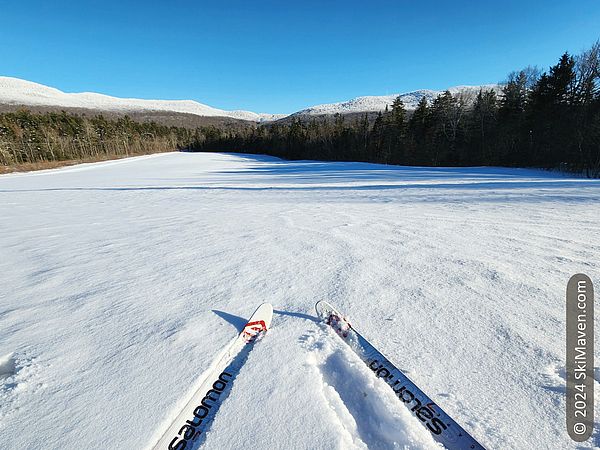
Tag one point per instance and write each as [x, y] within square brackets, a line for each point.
[28, 137]
[549, 119]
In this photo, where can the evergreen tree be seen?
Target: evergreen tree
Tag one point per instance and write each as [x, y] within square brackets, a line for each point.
[377, 139]
[562, 80]
[512, 131]
[550, 116]
[417, 126]
[483, 124]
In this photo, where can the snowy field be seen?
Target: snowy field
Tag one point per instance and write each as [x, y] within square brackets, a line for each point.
[122, 281]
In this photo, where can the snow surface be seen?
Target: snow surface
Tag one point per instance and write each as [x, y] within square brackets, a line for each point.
[376, 103]
[21, 92]
[122, 282]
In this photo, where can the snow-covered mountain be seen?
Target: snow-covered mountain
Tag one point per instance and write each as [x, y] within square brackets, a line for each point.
[15, 91]
[375, 103]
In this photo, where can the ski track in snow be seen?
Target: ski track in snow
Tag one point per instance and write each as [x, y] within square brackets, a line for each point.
[122, 282]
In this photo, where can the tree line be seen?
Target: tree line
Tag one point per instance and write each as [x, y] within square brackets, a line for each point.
[547, 120]
[30, 137]
[535, 119]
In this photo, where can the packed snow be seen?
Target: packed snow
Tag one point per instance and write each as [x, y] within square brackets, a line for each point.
[376, 103]
[21, 92]
[123, 281]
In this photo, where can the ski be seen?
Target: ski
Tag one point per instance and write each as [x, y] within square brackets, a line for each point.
[187, 430]
[443, 428]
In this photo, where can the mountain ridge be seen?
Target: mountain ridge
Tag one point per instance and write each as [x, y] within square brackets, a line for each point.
[16, 91]
[376, 103]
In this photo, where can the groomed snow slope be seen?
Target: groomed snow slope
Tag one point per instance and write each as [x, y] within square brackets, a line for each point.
[122, 281]
[21, 92]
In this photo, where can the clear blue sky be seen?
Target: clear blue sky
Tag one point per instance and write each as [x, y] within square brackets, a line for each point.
[279, 56]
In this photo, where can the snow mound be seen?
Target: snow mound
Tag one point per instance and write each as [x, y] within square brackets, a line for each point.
[14, 91]
[7, 366]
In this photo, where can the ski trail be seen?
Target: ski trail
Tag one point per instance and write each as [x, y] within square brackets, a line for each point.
[368, 413]
[282, 385]
[457, 275]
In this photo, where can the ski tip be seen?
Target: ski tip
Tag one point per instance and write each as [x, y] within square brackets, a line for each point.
[318, 308]
[266, 306]
[323, 309]
[265, 313]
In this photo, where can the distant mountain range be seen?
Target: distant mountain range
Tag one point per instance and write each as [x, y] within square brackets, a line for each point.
[375, 103]
[14, 91]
